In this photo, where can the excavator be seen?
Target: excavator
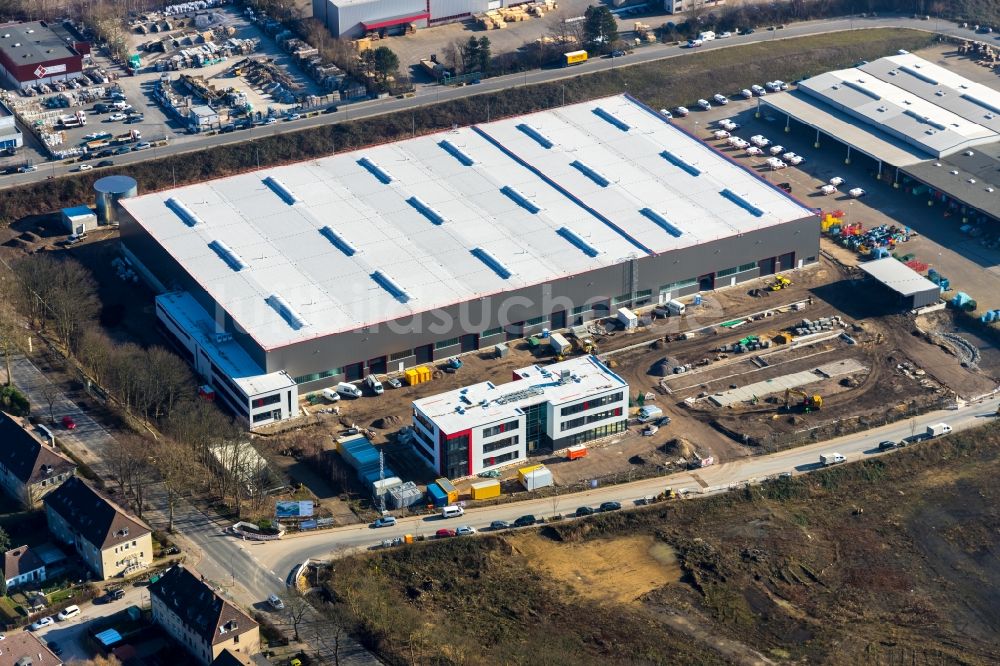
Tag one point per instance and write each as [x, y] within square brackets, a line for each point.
[809, 402]
[780, 282]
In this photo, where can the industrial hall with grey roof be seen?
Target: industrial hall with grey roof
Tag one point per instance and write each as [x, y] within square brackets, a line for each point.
[300, 276]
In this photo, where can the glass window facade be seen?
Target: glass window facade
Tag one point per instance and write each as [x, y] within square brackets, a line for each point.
[497, 429]
[501, 444]
[591, 404]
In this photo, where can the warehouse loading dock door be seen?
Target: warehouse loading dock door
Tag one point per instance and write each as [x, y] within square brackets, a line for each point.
[424, 354]
[766, 266]
[706, 282]
[514, 331]
[377, 366]
[354, 372]
[558, 319]
[786, 262]
[470, 342]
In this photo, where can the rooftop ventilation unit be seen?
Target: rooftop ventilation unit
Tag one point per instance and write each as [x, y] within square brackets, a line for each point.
[680, 164]
[741, 202]
[520, 199]
[590, 173]
[861, 89]
[425, 210]
[186, 214]
[924, 119]
[981, 102]
[390, 286]
[375, 170]
[576, 240]
[456, 152]
[604, 115]
[282, 307]
[919, 75]
[282, 190]
[536, 135]
[338, 241]
[228, 255]
[661, 222]
[491, 261]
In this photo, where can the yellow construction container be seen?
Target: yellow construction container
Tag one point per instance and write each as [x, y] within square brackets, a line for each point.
[412, 377]
[408, 538]
[449, 489]
[424, 373]
[485, 489]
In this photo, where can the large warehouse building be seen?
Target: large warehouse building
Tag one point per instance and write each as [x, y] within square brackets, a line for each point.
[485, 426]
[355, 18]
[921, 127]
[410, 252]
[35, 52]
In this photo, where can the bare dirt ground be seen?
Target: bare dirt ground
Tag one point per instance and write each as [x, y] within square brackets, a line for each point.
[619, 569]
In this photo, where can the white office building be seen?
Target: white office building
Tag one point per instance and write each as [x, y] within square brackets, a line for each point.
[485, 426]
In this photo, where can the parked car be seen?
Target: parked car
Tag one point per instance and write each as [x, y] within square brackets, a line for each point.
[610, 506]
[68, 612]
[293, 116]
[114, 595]
[69, 423]
[584, 511]
[747, 31]
[465, 530]
[887, 445]
[40, 623]
[724, 35]
[275, 602]
[123, 150]
[84, 167]
[131, 120]
[662, 421]
[331, 109]
[757, 90]
[666, 113]
[27, 168]
[704, 105]
[524, 521]
[681, 111]
[115, 117]
[106, 163]
[270, 121]
[384, 521]
[393, 382]
[143, 145]
[500, 525]
[746, 93]
[720, 99]
[444, 533]
[777, 150]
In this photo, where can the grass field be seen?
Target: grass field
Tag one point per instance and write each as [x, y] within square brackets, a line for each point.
[663, 83]
[890, 561]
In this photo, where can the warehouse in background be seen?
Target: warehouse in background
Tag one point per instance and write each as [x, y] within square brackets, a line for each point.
[36, 52]
[917, 125]
[403, 254]
[10, 135]
[483, 427]
[356, 18]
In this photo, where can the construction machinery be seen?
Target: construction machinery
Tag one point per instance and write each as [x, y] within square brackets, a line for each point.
[780, 282]
[808, 402]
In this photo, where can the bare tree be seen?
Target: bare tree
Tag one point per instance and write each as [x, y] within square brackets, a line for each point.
[50, 392]
[178, 472]
[297, 609]
[130, 461]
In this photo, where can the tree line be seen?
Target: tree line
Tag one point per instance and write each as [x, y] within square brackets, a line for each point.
[196, 447]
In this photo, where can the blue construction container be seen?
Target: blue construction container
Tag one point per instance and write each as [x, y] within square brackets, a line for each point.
[359, 453]
[437, 496]
[371, 476]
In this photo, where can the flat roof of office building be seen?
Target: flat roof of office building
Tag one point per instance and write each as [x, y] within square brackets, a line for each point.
[231, 359]
[334, 244]
[897, 276]
[33, 43]
[486, 402]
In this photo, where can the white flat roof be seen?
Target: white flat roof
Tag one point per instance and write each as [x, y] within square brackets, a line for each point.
[904, 95]
[898, 276]
[338, 243]
[222, 350]
[464, 408]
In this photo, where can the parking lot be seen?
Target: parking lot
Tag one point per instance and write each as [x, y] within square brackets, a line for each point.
[971, 267]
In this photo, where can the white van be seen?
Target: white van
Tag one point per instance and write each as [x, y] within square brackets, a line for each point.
[374, 384]
[331, 394]
[68, 612]
[452, 511]
[706, 36]
[675, 307]
[348, 390]
[649, 412]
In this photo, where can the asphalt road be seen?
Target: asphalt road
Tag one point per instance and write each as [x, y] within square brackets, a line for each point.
[434, 93]
[285, 555]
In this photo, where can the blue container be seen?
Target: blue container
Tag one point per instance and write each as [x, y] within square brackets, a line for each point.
[436, 495]
[697, 299]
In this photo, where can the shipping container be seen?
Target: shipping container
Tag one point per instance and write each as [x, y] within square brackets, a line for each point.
[436, 496]
[538, 477]
[448, 488]
[574, 58]
[485, 489]
[628, 319]
[370, 476]
[405, 495]
[560, 345]
[383, 487]
[576, 452]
